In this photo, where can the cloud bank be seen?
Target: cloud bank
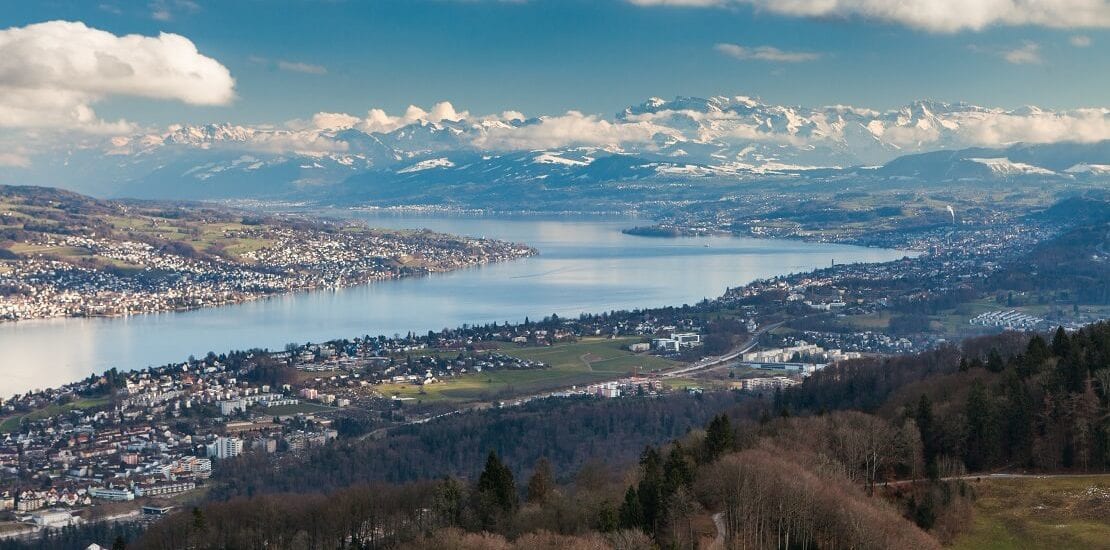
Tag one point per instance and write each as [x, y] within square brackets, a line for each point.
[944, 16]
[52, 73]
[765, 53]
[733, 122]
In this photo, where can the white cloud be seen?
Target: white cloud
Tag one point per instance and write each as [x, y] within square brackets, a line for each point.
[14, 160]
[1084, 125]
[930, 15]
[166, 10]
[573, 128]
[300, 67]
[765, 53]
[680, 3]
[1028, 53]
[1080, 41]
[334, 121]
[52, 73]
[377, 120]
[290, 142]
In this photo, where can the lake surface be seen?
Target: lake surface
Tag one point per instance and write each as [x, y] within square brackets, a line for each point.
[583, 266]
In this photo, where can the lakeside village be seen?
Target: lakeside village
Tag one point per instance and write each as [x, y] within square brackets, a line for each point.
[82, 276]
[150, 438]
[157, 434]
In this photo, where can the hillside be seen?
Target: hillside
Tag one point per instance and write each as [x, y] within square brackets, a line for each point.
[64, 254]
[899, 446]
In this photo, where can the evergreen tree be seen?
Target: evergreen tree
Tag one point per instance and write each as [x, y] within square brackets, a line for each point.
[650, 490]
[1018, 418]
[1060, 342]
[1037, 350]
[926, 425]
[1071, 371]
[676, 471]
[496, 482]
[718, 437]
[631, 514]
[995, 362]
[981, 441]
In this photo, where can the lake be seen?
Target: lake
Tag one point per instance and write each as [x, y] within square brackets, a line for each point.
[583, 266]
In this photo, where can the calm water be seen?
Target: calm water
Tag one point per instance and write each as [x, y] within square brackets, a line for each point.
[583, 266]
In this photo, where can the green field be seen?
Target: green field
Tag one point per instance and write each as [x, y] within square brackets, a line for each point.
[575, 364]
[11, 423]
[1028, 513]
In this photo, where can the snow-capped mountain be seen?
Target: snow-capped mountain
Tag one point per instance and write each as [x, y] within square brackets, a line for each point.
[735, 138]
[1047, 161]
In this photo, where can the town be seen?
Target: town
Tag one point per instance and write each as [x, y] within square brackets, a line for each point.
[148, 258]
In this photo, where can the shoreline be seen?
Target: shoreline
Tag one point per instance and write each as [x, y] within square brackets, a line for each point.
[248, 298]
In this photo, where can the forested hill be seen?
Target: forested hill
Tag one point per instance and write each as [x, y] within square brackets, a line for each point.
[1075, 266]
[1013, 401]
[866, 454]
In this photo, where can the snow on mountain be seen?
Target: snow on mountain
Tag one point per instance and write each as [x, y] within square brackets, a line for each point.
[555, 158]
[427, 165]
[1083, 168]
[1006, 167]
[687, 137]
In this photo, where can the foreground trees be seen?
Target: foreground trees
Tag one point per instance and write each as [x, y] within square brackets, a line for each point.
[771, 500]
[1004, 401]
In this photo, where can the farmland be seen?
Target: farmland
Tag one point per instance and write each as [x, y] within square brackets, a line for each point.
[588, 361]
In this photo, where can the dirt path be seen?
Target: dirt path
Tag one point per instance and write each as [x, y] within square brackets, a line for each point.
[720, 541]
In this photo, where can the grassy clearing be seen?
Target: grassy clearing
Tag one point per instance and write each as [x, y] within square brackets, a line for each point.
[11, 423]
[879, 320]
[580, 363]
[1028, 513]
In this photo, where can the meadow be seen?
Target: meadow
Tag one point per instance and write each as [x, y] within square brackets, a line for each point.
[581, 363]
[1052, 512]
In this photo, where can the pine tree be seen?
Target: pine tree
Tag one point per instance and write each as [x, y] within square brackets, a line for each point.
[995, 362]
[1018, 418]
[925, 424]
[1060, 342]
[1072, 371]
[1037, 350]
[981, 442]
[676, 471]
[631, 514]
[650, 490]
[718, 437]
[497, 482]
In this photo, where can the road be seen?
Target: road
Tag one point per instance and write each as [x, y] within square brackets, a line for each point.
[978, 477]
[710, 362]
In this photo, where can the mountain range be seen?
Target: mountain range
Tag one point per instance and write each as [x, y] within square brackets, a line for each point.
[511, 159]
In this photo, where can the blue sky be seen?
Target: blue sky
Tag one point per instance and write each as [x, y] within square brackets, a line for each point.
[292, 58]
